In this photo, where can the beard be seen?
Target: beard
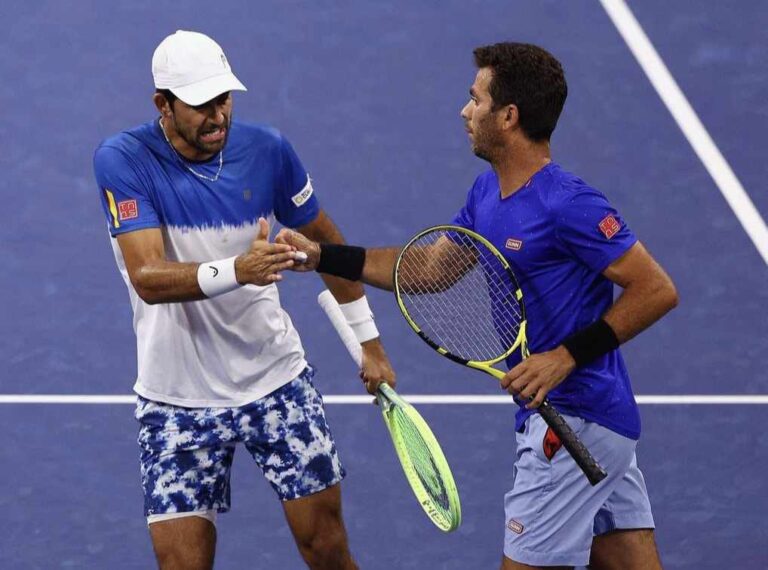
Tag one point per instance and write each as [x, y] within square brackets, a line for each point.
[481, 152]
[486, 145]
[193, 137]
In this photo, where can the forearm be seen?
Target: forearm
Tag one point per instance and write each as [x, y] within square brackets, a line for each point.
[323, 230]
[648, 294]
[639, 306]
[342, 266]
[378, 270]
[167, 282]
[158, 280]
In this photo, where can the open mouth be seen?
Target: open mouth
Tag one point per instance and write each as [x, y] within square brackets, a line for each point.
[214, 136]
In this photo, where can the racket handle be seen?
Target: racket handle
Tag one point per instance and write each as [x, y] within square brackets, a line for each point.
[572, 444]
[331, 307]
[332, 310]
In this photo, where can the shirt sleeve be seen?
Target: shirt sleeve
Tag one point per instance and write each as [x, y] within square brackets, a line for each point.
[124, 198]
[591, 229]
[295, 202]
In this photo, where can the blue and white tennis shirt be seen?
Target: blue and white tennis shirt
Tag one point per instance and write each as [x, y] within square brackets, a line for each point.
[235, 348]
[559, 234]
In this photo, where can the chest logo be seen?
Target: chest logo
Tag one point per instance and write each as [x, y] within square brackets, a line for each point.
[609, 226]
[127, 210]
[304, 194]
[247, 195]
[514, 244]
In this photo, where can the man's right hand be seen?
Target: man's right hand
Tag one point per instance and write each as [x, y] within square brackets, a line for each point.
[303, 244]
[262, 264]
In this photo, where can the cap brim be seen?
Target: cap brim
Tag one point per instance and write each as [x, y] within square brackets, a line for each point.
[207, 89]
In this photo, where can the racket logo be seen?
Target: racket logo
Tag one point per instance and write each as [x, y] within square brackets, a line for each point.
[435, 486]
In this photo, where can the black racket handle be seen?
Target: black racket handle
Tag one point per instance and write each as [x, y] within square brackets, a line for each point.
[572, 443]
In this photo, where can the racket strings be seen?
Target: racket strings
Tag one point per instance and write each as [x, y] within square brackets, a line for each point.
[420, 458]
[460, 295]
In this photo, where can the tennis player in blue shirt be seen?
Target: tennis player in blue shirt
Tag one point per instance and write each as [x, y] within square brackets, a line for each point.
[568, 246]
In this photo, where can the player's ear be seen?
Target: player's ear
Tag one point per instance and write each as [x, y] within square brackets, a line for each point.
[510, 117]
[162, 104]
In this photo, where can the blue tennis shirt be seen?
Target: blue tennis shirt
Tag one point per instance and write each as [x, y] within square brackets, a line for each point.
[559, 234]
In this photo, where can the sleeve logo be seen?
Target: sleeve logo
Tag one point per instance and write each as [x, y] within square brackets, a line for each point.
[127, 210]
[609, 226]
[303, 195]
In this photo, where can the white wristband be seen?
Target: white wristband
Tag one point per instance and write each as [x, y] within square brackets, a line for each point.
[217, 277]
[360, 318]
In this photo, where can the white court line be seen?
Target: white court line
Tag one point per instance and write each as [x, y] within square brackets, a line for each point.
[686, 118]
[460, 399]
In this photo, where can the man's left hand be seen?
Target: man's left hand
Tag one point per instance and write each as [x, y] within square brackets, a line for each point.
[376, 367]
[535, 376]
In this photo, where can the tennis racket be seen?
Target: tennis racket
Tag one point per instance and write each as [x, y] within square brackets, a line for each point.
[459, 294]
[421, 457]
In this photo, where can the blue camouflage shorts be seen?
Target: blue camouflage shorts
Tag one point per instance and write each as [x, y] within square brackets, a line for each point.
[186, 453]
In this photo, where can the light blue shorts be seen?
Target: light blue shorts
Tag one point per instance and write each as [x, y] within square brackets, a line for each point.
[186, 453]
[552, 512]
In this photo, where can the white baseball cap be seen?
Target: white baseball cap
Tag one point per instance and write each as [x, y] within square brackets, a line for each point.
[193, 67]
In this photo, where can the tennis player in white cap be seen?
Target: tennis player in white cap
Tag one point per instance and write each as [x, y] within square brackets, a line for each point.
[188, 198]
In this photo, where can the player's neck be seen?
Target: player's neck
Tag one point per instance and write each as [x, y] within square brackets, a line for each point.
[519, 163]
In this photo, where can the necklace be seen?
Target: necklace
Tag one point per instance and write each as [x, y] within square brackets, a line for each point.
[184, 162]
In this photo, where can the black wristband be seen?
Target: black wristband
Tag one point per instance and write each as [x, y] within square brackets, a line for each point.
[344, 261]
[591, 342]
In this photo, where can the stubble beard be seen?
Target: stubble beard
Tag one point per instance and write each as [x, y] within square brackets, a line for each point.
[193, 140]
[484, 147]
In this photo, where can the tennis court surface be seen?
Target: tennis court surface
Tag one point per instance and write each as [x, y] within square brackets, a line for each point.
[369, 94]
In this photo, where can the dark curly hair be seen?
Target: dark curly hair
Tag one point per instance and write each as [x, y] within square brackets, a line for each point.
[530, 78]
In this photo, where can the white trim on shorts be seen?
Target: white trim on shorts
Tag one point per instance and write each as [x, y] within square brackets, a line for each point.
[208, 515]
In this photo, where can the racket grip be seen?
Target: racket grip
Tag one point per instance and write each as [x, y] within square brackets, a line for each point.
[572, 444]
[331, 308]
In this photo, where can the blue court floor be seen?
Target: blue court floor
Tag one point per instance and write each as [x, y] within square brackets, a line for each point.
[369, 94]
